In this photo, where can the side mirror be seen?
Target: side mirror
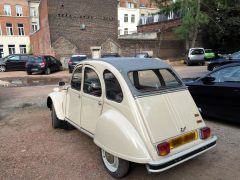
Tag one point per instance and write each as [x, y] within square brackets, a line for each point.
[208, 79]
[61, 83]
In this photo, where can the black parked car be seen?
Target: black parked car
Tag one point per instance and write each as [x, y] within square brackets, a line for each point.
[74, 60]
[13, 62]
[43, 64]
[220, 61]
[218, 93]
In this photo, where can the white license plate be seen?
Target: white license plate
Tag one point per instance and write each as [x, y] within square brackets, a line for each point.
[34, 69]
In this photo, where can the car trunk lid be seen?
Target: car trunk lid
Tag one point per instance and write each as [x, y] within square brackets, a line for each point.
[169, 115]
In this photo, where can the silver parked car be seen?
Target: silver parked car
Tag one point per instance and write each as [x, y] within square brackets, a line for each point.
[195, 56]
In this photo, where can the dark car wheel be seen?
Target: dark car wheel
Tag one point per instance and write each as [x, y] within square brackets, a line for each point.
[216, 66]
[203, 63]
[2, 68]
[29, 72]
[115, 166]
[47, 71]
[70, 71]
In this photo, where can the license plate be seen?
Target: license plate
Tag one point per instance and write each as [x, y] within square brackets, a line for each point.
[34, 69]
[183, 139]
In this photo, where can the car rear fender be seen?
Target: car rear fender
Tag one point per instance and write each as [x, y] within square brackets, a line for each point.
[57, 100]
[116, 135]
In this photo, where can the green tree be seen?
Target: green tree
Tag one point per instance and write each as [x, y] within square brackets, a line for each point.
[192, 18]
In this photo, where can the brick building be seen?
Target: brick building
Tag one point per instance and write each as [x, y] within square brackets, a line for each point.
[14, 27]
[72, 26]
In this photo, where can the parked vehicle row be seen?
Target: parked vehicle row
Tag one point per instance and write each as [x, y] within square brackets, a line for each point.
[136, 110]
[30, 64]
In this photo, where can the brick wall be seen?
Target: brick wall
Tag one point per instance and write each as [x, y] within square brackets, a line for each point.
[65, 19]
[40, 41]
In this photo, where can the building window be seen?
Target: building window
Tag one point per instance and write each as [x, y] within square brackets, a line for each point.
[20, 29]
[23, 49]
[33, 12]
[9, 29]
[11, 49]
[130, 5]
[125, 31]
[125, 17]
[19, 10]
[34, 27]
[119, 32]
[133, 18]
[1, 51]
[7, 10]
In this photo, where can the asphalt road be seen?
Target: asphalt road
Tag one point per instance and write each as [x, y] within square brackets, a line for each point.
[31, 149]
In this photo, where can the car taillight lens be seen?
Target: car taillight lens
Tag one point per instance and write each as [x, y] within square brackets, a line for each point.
[69, 62]
[205, 132]
[43, 64]
[163, 148]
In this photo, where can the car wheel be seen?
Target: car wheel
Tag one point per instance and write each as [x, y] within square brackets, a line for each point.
[203, 63]
[29, 73]
[115, 166]
[2, 68]
[47, 71]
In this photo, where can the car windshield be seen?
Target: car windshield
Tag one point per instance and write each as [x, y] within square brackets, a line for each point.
[208, 51]
[36, 59]
[6, 58]
[236, 55]
[78, 58]
[154, 80]
[197, 52]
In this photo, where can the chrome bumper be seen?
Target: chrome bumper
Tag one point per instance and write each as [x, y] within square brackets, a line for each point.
[171, 161]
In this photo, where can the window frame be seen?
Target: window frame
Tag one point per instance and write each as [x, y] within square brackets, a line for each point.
[133, 18]
[161, 80]
[81, 85]
[125, 18]
[7, 10]
[21, 31]
[100, 81]
[19, 11]
[24, 48]
[12, 48]
[9, 29]
[109, 99]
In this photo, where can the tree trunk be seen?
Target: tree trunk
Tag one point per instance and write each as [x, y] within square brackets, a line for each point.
[195, 30]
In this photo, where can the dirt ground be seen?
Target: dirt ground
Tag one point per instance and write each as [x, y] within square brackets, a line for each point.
[31, 149]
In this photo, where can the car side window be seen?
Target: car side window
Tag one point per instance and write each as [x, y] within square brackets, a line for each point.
[14, 58]
[92, 83]
[228, 74]
[113, 88]
[53, 59]
[77, 79]
[24, 58]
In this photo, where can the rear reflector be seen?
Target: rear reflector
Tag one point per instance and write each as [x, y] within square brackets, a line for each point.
[163, 149]
[205, 132]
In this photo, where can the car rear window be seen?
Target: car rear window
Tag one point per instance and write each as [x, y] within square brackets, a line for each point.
[78, 58]
[154, 80]
[197, 52]
[208, 51]
[37, 59]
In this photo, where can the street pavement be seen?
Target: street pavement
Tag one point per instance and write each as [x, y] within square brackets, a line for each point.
[31, 149]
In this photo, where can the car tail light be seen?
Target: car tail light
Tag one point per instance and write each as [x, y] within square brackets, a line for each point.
[205, 132]
[43, 64]
[70, 62]
[163, 149]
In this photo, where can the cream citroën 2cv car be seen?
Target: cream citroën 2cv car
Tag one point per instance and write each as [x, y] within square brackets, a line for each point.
[136, 110]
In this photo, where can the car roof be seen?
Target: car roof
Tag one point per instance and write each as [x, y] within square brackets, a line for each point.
[132, 64]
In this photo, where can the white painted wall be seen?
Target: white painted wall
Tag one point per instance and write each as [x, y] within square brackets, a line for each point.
[14, 40]
[132, 27]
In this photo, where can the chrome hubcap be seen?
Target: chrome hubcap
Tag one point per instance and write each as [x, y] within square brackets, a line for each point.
[110, 161]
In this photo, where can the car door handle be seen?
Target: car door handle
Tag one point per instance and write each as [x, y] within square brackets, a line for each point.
[99, 103]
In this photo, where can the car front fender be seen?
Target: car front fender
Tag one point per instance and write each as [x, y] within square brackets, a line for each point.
[56, 99]
[116, 135]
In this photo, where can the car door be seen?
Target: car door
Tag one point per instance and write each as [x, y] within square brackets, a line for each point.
[219, 98]
[23, 61]
[54, 63]
[92, 99]
[13, 62]
[73, 102]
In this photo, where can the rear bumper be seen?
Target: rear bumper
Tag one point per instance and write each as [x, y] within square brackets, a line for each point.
[164, 164]
[196, 61]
